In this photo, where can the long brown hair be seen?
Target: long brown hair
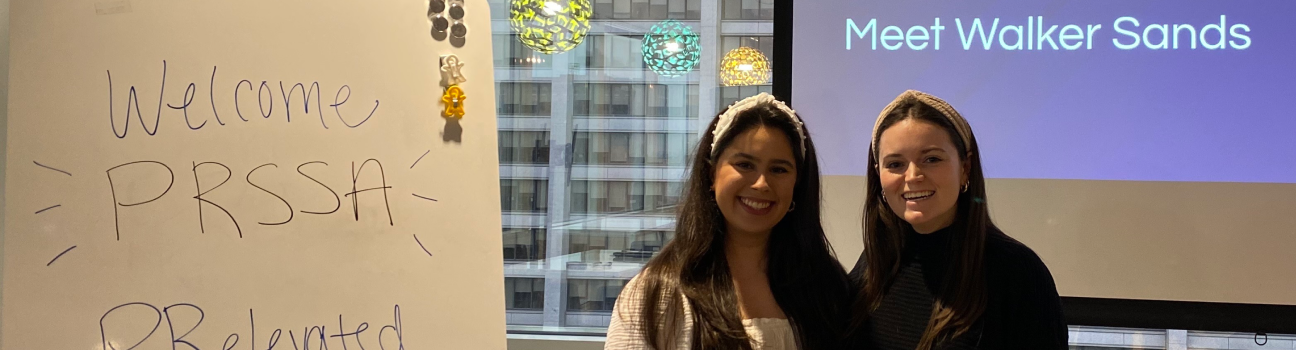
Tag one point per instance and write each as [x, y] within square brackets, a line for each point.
[961, 299]
[807, 281]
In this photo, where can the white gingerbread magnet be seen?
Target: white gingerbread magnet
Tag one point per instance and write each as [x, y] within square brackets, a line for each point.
[453, 70]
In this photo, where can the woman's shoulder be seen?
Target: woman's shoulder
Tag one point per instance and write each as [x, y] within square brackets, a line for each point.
[1010, 254]
[630, 300]
[635, 294]
[856, 274]
[628, 327]
[1013, 265]
[1023, 299]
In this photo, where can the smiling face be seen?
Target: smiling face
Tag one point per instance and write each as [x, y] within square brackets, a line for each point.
[922, 173]
[754, 178]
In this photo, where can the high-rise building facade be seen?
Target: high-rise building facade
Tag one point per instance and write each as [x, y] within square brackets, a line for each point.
[593, 149]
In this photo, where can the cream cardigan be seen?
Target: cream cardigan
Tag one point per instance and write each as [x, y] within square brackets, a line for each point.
[626, 331]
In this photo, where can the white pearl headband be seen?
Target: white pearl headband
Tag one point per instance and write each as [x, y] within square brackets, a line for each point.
[725, 121]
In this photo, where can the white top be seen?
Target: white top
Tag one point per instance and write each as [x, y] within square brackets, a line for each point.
[626, 331]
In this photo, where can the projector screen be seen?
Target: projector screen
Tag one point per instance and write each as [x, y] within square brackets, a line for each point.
[1145, 149]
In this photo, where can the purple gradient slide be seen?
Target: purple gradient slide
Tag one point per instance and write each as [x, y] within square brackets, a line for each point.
[1099, 90]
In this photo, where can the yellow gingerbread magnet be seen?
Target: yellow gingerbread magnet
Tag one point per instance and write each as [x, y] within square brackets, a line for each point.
[454, 102]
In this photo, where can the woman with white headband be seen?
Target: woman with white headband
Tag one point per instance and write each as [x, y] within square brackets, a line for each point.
[936, 272]
[749, 267]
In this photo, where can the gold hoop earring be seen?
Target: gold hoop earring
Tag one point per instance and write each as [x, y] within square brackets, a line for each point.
[965, 186]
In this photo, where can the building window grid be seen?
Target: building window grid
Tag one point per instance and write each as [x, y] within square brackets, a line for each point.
[524, 293]
[603, 97]
[523, 147]
[635, 100]
[524, 244]
[596, 295]
[647, 9]
[510, 52]
[524, 195]
[616, 197]
[748, 10]
[631, 148]
[517, 98]
[600, 246]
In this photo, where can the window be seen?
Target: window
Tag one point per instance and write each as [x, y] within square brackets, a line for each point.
[523, 293]
[749, 10]
[618, 148]
[731, 94]
[634, 100]
[694, 10]
[621, 98]
[621, 9]
[592, 294]
[647, 9]
[621, 137]
[657, 101]
[524, 195]
[509, 52]
[617, 246]
[607, 197]
[524, 98]
[612, 51]
[524, 244]
[524, 147]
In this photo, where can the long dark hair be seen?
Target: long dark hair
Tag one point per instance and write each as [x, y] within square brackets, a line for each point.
[807, 281]
[961, 300]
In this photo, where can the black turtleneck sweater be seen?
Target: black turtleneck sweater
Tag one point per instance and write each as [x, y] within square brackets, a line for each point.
[1023, 310]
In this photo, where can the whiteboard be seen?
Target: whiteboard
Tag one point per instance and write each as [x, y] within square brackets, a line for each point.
[219, 215]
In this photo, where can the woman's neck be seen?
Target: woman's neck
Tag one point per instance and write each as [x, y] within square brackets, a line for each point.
[940, 223]
[746, 254]
[746, 250]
